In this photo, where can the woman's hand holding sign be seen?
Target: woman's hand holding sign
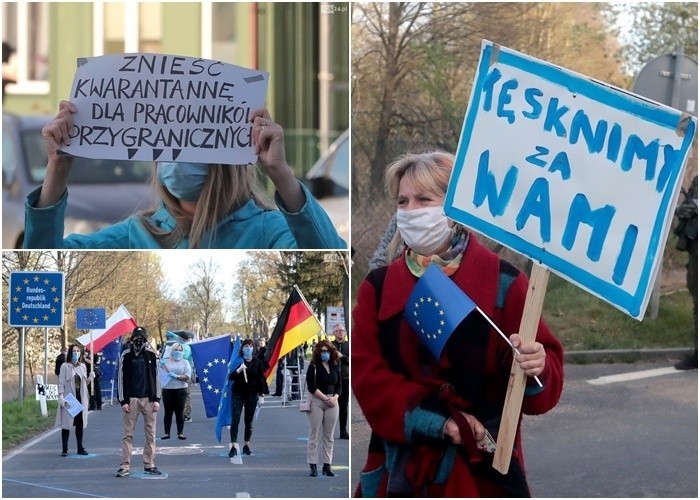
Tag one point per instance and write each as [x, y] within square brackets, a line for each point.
[56, 135]
[268, 138]
[532, 356]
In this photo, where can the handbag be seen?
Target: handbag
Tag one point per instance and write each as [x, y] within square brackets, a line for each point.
[305, 404]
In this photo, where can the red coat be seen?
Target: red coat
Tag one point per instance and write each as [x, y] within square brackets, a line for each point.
[406, 395]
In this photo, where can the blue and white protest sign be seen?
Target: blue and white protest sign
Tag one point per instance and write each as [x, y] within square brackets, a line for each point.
[163, 107]
[36, 299]
[575, 174]
[90, 318]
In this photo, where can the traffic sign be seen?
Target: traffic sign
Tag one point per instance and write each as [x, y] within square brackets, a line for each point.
[36, 298]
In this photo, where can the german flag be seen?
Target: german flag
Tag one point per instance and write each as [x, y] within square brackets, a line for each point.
[295, 325]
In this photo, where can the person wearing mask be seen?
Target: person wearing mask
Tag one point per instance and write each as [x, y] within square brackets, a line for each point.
[687, 232]
[246, 393]
[96, 389]
[343, 349]
[260, 354]
[429, 416]
[187, 356]
[201, 205]
[262, 349]
[60, 359]
[72, 379]
[174, 392]
[279, 378]
[324, 383]
[139, 394]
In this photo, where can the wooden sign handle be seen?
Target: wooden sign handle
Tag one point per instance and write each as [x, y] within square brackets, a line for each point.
[516, 383]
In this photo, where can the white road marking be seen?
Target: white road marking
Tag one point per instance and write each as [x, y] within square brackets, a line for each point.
[625, 377]
[242, 494]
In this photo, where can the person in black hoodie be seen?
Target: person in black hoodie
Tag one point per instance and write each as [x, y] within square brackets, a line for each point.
[139, 393]
[248, 387]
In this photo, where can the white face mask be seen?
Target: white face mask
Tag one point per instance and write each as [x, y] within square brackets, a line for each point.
[424, 230]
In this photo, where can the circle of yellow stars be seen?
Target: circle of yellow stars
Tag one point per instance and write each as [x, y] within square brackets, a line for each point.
[425, 301]
[36, 319]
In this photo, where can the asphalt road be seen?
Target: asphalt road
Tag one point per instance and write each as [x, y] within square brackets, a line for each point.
[197, 467]
[636, 438]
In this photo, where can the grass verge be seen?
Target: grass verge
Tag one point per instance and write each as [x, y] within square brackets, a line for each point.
[582, 321]
[20, 422]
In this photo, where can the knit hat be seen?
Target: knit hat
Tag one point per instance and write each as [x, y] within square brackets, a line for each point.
[140, 332]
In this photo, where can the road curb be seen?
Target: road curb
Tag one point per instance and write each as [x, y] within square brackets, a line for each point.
[626, 355]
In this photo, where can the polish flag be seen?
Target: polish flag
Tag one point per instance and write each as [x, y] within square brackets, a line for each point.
[117, 325]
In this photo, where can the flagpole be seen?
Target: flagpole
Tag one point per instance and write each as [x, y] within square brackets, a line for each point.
[504, 337]
[312, 311]
[92, 364]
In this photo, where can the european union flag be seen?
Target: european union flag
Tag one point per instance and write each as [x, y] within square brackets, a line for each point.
[435, 308]
[224, 413]
[211, 358]
[90, 318]
[110, 359]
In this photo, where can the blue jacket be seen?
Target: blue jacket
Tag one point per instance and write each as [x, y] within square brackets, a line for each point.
[249, 227]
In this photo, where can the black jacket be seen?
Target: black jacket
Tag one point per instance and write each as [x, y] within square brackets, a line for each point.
[256, 378]
[60, 359]
[329, 383]
[125, 383]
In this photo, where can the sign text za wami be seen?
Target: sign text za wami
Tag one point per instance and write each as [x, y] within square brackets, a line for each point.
[569, 172]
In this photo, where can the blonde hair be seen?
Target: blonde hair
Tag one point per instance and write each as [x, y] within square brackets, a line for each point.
[226, 189]
[430, 172]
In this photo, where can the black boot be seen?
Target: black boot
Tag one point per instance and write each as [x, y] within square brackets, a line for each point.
[313, 472]
[64, 442]
[327, 470]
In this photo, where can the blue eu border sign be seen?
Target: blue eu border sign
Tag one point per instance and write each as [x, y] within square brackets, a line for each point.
[36, 299]
[577, 175]
[90, 318]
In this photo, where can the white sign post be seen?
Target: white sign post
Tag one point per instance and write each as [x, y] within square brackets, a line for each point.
[577, 175]
[162, 107]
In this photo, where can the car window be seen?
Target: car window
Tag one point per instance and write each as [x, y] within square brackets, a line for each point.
[34, 151]
[85, 170]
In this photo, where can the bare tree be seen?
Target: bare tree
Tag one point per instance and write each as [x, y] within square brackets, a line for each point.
[203, 294]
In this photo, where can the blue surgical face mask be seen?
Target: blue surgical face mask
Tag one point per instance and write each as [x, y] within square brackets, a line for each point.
[75, 356]
[184, 181]
[325, 356]
[247, 352]
[177, 355]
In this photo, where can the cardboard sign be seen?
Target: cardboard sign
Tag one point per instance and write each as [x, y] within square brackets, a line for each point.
[161, 107]
[50, 392]
[577, 175]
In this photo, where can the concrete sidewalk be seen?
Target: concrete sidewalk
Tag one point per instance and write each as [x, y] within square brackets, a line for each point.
[195, 467]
